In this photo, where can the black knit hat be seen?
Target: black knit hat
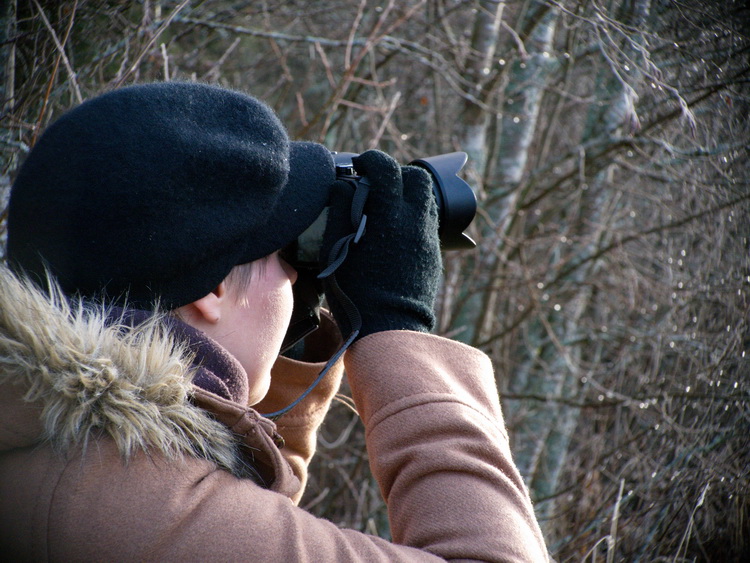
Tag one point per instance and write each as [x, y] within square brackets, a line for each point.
[153, 193]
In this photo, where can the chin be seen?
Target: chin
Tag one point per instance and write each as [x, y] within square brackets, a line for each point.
[259, 387]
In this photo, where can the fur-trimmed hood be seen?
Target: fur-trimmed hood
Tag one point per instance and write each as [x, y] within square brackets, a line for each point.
[69, 375]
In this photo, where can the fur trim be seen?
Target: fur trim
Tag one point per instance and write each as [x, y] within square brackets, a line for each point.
[91, 379]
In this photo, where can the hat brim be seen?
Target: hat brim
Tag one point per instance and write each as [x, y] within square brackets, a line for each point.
[301, 201]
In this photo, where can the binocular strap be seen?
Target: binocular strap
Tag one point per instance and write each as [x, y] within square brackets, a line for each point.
[337, 255]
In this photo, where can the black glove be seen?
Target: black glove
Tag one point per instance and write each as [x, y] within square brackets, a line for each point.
[392, 273]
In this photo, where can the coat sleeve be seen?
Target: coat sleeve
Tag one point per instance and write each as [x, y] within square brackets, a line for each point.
[438, 447]
[436, 443]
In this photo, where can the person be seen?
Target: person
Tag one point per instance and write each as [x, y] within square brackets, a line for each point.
[142, 312]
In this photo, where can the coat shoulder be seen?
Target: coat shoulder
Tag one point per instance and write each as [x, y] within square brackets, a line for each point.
[85, 375]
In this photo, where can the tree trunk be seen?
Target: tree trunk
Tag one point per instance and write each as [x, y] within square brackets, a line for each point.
[474, 120]
[543, 442]
[7, 74]
[522, 103]
[7, 98]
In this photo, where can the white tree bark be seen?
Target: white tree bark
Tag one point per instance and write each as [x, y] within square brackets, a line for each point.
[474, 121]
[522, 102]
[543, 443]
[7, 97]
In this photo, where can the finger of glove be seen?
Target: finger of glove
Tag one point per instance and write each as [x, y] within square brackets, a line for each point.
[419, 196]
[339, 223]
[384, 175]
[417, 185]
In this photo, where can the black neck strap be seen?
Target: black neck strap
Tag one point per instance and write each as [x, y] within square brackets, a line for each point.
[336, 257]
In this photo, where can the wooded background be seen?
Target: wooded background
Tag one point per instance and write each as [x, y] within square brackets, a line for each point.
[608, 144]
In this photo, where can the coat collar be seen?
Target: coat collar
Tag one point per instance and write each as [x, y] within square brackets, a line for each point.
[71, 374]
[215, 369]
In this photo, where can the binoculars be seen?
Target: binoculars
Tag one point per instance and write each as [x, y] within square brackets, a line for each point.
[456, 204]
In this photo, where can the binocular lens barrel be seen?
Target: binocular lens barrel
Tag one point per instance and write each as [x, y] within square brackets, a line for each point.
[456, 202]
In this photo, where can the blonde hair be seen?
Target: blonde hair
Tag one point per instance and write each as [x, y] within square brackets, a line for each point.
[240, 277]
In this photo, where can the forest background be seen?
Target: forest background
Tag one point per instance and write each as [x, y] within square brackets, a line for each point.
[608, 144]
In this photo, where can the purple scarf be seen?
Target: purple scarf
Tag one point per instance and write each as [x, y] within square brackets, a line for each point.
[217, 370]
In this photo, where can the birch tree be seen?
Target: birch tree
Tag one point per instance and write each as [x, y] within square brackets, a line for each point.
[10, 146]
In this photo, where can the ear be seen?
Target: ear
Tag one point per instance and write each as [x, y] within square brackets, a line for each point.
[210, 307]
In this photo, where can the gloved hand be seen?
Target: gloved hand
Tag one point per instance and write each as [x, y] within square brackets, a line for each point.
[393, 273]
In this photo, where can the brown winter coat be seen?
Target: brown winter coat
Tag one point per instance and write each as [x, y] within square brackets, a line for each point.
[107, 451]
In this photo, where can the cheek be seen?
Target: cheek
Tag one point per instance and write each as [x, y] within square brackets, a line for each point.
[269, 301]
[283, 277]
[277, 308]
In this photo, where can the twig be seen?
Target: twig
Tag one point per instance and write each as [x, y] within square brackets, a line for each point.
[386, 119]
[430, 59]
[326, 64]
[612, 538]
[165, 57]
[60, 46]
[352, 33]
[688, 532]
[343, 437]
[565, 272]
[213, 72]
[151, 42]
[301, 108]
[517, 38]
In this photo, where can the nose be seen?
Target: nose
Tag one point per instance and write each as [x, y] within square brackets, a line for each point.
[289, 269]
